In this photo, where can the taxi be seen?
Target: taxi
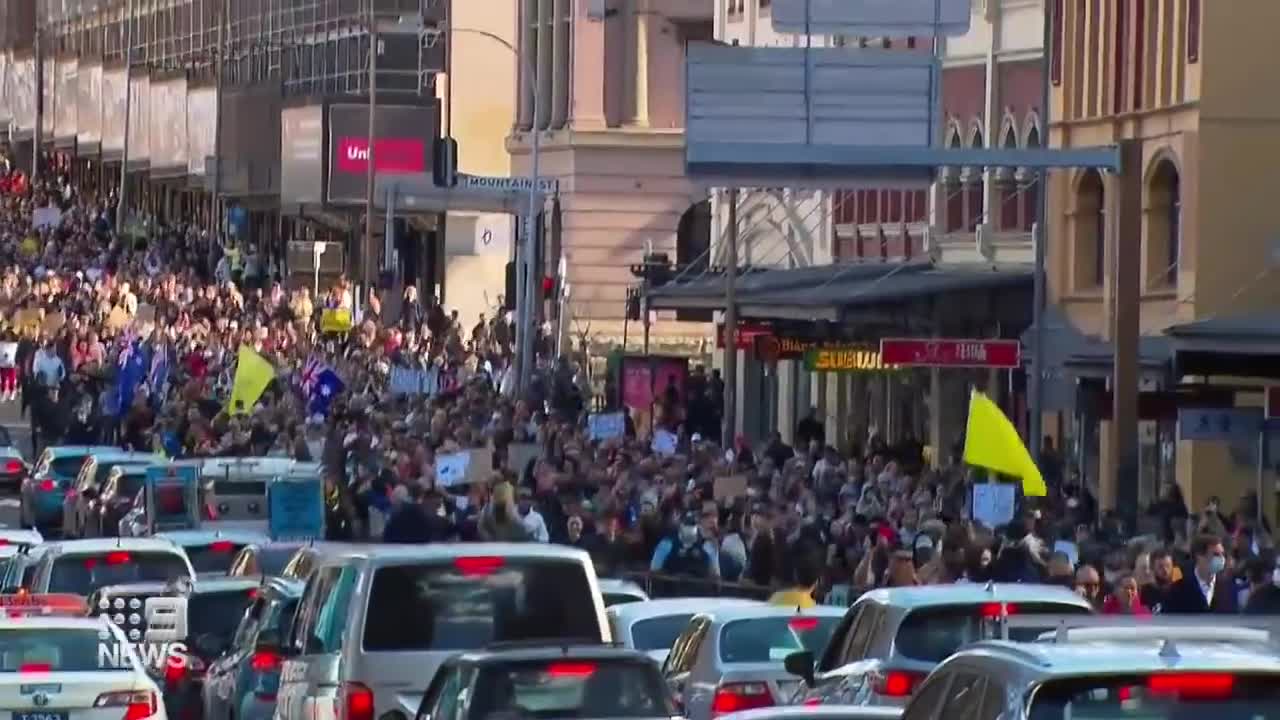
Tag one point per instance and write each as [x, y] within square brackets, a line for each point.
[20, 538]
[44, 489]
[212, 550]
[82, 566]
[1118, 668]
[53, 667]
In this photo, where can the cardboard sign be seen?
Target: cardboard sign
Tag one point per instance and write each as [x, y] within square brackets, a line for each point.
[519, 455]
[664, 443]
[606, 426]
[729, 487]
[993, 503]
[452, 469]
[27, 319]
[53, 323]
[295, 509]
[8, 354]
[117, 320]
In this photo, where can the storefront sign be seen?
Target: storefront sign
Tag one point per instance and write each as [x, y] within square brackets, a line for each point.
[856, 358]
[1219, 424]
[402, 146]
[922, 352]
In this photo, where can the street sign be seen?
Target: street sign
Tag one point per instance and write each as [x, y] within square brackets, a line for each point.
[504, 184]
[1219, 424]
[865, 18]
[1272, 394]
[930, 352]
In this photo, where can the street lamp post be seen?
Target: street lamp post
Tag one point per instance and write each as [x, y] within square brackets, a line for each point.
[527, 289]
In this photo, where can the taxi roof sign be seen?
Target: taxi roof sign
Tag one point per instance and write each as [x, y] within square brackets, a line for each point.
[56, 604]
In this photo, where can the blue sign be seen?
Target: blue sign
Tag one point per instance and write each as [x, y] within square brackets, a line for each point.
[295, 509]
[1219, 424]
[172, 497]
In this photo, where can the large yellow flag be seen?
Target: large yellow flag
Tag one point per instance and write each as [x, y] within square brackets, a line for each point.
[253, 374]
[992, 442]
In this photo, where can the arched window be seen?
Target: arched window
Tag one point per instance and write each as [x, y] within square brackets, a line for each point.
[1031, 186]
[1164, 225]
[953, 197]
[1009, 196]
[1090, 232]
[973, 187]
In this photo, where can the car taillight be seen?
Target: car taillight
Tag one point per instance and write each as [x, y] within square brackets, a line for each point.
[474, 566]
[12, 467]
[265, 661]
[733, 697]
[1192, 685]
[35, 668]
[221, 546]
[571, 669]
[48, 486]
[117, 558]
[803, 624]
[994, 610]
[896, 683]
[137, 704]
[174, 672]
[355, 702]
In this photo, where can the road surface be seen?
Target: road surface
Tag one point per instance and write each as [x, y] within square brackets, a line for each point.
[20, 430]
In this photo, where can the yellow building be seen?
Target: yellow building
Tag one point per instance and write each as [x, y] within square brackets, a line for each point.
[1188, 231]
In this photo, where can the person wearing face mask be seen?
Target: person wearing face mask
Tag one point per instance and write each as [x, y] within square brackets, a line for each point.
[1264, 586]
[684, 553]
[1206, 589]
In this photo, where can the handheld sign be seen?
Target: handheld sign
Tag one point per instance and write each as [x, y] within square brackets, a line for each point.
[606, 426]
[172, 497]
[451, 469]
[295, 508]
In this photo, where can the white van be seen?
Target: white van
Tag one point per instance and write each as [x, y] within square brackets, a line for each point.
[375, 622]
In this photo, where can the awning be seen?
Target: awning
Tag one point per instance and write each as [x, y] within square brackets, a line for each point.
[1068, 350]
[1241, 345]
[830, 292]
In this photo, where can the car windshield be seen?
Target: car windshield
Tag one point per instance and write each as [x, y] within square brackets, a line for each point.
[212, 617]
[1165, 696]
[659, 633]
[82, 574]
[212, 558]
[475, 601]
[42, 650]
[934, 634]
[571, 689]
[772, 639]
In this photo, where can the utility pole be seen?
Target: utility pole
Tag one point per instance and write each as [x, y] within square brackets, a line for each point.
[527, 314]
[1039, 236]
[121, 204]
[731, 322]
[215, 210]
[367, 260]
[37, 138]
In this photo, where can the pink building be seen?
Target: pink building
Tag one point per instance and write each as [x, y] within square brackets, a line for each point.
[609, 84]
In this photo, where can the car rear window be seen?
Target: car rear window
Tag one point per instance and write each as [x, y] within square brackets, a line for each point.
[67, 467]
[1163, 696]
[772, 639]
[213, 558]
[43, 650]
[934, 634]
[571, 688]
[217, 613]
[474, 601]
[659, 633]
[82, 574]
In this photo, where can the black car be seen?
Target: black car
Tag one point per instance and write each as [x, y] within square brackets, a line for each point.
[215, 607]
[541, 680]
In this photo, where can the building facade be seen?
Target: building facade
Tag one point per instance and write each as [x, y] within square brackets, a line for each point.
[1187, 231]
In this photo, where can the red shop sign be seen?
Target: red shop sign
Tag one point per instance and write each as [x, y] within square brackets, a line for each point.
[922, 352]
[390, 155]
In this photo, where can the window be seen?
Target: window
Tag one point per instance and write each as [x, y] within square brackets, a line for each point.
[994, 700]
[831, 656]
[83, 574]
[217, 614]
[1118, 70]
[577, 688]
[1139, 51]
[460, 607]
[213, 558]
[658, 633]
[445, 703]
[863, 632]
[965, 695]
[772, 639]
[47, 650]
[1055, 68]
[319, 589]
[929, 699]
[933, 634]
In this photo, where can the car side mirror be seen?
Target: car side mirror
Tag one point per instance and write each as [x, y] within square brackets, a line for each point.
[800, 664]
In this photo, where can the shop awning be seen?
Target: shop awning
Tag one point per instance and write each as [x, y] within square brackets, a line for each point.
[1069, 350]
[1244, 344]
[830, 292]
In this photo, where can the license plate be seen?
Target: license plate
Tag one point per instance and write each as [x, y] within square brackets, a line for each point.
[40, 715]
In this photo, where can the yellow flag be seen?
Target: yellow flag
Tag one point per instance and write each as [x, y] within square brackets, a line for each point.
[253, 374]
[991, 442]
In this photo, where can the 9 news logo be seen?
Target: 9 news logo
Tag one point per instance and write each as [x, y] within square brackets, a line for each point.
[158, 647]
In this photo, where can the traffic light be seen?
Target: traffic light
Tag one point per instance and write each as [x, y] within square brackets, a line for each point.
[444, 162]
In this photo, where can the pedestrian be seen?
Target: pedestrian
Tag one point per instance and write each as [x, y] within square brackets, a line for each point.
[1207, 588]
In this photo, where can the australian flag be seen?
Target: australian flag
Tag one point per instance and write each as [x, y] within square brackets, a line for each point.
[323, 389]
[158, 375]
[310, 375]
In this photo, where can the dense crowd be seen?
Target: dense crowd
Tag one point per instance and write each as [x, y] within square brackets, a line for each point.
[132, 338]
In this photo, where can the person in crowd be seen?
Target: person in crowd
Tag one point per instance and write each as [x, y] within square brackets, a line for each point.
[1163, 575]
[1206, 589]
[1264, 586]
[1124, 598]
[1089, 585]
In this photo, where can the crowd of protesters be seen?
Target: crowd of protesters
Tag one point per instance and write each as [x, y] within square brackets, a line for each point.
[131, 338]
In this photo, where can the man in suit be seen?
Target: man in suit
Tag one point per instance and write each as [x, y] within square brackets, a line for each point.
[1207, 588]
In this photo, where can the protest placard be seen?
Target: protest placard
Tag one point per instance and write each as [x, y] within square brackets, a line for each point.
[335, 320]
[664, 442]
[296, 509]
[729, 487]
[606, 426]
[451, 469]
[993, 503]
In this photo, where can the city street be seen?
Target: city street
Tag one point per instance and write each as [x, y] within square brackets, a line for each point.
[20, 431]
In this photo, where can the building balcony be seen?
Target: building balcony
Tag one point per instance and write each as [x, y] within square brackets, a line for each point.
[985, 245]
